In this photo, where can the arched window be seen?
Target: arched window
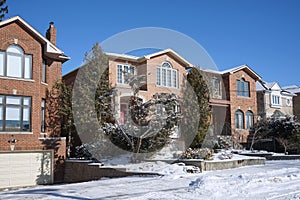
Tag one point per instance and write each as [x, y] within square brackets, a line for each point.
[243, 88]
[166, 76]
[239, 119]
[14, 63]
[249, 119]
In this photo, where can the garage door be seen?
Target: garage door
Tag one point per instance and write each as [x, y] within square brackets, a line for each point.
[25, 168]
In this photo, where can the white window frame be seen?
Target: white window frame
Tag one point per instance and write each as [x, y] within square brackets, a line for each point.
[239, 119]
[25, 68]
[23, 104]
[249, 119]
[44, 71]
[288, 102]
[276, 100]
[166, 76]
[121, 68]
[216, 87]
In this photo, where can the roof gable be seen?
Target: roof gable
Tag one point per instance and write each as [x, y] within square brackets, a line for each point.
[149, 56]
[50, 49]
[246, 68]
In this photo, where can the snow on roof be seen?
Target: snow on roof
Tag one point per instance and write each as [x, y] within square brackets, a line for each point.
[292, 88]
[238, 68]
[270, 85]
[149, 56]
[259, 86]
[264, 86]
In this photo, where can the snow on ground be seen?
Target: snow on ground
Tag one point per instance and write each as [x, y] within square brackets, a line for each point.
[275, 180]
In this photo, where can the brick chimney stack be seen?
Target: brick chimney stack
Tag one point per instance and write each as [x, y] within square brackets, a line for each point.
[51, 33]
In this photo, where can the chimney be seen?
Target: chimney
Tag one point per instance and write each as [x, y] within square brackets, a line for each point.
[51, 33]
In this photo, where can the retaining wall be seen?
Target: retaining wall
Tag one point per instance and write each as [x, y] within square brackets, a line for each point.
[83, 170]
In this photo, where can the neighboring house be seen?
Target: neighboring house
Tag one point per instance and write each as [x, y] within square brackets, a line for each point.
[296, 99]
[233, 101]
[29, 66]
[164, 71]
[273, 101]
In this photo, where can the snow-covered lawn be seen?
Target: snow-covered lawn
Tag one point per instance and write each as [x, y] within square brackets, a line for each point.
[275, 180]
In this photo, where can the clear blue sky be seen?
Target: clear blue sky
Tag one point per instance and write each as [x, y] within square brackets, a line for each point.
[264, 34]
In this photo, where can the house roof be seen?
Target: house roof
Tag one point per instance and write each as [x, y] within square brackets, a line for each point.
[260, 86]
[149, 56]
[236, 69]
[50, 49]
[292, 88]
[242, 67]
[272, 86]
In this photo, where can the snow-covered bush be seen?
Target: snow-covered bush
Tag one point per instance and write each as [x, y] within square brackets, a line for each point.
[203, 153]
[225, 155]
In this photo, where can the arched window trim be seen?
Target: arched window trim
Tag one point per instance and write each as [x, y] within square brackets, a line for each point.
[166, 75]
[243, 88]
[249, 119]
[239, 119]
[15, 63]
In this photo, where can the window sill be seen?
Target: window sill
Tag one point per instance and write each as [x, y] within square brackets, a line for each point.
[18, 79]
[244, 97]
[276, 106]
[46, 84]
[17, 133]
[174, 88]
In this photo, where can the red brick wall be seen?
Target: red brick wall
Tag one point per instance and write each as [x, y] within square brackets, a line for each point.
[15, 33]
[242, 103]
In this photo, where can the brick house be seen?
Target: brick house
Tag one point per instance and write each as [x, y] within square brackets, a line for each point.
[29, 66]
[295, 89]
[273, 101]
[233, 101]
[232, 92]
[165, 73]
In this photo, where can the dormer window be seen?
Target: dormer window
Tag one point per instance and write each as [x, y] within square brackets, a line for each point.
[14, 63]
[166, 76]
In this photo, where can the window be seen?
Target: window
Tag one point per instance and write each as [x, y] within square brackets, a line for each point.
[242, 88]
[166, 76]
[15, 113]
[239, 119]
[43, 124]
[216, 87]
[288, 102]
[14, 63]
[249, 119]
[275, 100]
[121, 70]
[44, 68]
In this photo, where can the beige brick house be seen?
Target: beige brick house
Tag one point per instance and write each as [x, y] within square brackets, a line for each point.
[165, 72]
[29, 66]
[273, 101]
[295, 89]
